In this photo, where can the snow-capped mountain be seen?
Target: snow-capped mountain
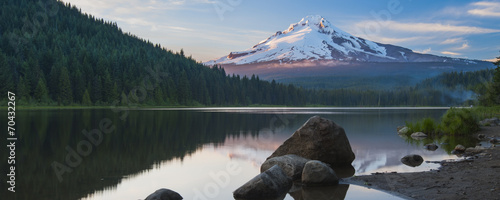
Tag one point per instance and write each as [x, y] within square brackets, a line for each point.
[315, 39]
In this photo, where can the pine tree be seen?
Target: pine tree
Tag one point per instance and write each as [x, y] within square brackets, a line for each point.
[183, 89]
[114, 95]
[23, 89]
[79, 85]
[65, 94]
[124, 99]
[41, 92]
[96, 89]
[107, 88]
[158, 95]
[493, 93]
[53, 81]
[86, 98]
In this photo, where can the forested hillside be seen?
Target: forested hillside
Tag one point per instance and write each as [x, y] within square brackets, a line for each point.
[52, 54]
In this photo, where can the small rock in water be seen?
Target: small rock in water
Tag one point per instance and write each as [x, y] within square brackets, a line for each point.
[403, 130]
[418, 135]
[494, 141]
[412, 160]
[431, 147]
[459, 148]
[481, 136]
[164, 194]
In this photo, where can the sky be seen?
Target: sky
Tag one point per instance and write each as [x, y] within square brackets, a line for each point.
[210, 29]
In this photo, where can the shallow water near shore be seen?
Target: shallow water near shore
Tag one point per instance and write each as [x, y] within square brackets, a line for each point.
[200, 153]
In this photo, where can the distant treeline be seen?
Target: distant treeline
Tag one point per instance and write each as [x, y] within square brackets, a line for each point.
[475, 81]
[52, 54]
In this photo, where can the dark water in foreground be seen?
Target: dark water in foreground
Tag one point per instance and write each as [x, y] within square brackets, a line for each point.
[200, 153]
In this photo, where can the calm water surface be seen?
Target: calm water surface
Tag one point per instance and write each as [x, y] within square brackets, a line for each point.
[200, 153]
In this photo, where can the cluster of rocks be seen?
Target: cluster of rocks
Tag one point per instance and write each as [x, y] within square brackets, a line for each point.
[490, 122]
[461, 150]
[306, 158]
[403, 130]
[483, 137]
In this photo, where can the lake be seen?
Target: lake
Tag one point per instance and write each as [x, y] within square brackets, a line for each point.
[201, 153]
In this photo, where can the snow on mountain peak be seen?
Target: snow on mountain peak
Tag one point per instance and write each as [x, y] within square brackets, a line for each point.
[312, 38]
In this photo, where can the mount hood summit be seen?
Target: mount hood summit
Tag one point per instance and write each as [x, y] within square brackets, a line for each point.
[315, 39]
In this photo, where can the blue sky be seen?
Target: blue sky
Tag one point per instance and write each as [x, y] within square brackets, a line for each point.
[209, 29]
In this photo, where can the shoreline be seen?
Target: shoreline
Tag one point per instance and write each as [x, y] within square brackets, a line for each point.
[477, 177]
[252, 107]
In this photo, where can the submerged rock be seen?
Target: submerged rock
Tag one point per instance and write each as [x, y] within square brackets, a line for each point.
[291, 164]
[490, 122]
[164, 194]
[412, 160]
[272, 183]
[431, 147]
[475, 150]
[319, 139]
[459, 148]
[336, 192]
[317, 173]
[418, 135]
[455, 152]
[403, 130]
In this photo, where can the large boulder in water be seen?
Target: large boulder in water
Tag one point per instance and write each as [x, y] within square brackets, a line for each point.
[164, 194]
[272, 183]
[319, 139]
[291, 164]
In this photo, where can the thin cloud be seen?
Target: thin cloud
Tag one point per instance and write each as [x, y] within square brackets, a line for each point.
[178, 28]
[453, 41]
[396, 40]
[437, 27]
[450, 53]
[492, 60]
[463, 47]
[485, 9]
[425, 51]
